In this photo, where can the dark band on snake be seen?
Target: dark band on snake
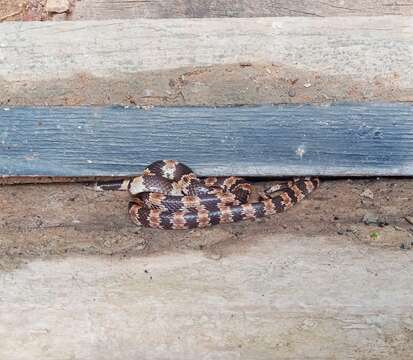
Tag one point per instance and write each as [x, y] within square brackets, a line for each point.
[170, 196]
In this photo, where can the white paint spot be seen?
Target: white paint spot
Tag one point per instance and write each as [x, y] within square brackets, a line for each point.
[3, 137]
[6, 109]
[300, 151]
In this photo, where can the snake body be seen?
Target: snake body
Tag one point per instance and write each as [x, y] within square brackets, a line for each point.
[170, 196]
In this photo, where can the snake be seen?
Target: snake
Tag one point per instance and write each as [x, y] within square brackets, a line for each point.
[169, 195]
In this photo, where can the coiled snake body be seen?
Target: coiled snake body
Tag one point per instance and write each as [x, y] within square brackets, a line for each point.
[170, 196]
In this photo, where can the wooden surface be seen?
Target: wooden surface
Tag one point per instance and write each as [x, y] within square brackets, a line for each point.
[371, 53]
[358, 46]
[282, 297]
[255, 141]
[127, 9]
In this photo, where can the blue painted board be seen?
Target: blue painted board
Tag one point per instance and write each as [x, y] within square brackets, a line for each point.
[335, 140]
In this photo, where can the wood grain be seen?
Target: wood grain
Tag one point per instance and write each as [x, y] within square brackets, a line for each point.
[281, 297]
[95, 62]
[361, 46]
[337, 140]
[129, 9]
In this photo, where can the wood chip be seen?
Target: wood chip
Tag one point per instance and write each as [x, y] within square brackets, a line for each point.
[58, 6]
[367, 194]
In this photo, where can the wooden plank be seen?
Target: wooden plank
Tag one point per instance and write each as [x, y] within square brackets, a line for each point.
[129, 9]
[274, 297]
[95, 62]
[336, 140]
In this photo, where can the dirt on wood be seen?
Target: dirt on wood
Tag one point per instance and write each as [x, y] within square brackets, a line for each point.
[218, 85]
[42, 221]
[105, 9]
[362, 228]
[24, 10]
[58, 220]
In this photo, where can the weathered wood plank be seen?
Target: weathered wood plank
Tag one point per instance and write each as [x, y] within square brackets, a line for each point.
[127, 9]
[273, 297]
[256, 141]
[339, 55]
